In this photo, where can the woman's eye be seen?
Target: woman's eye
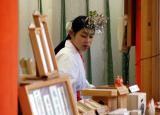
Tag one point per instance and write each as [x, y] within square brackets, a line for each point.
[90, 36]
[84, 36]
[87, 36]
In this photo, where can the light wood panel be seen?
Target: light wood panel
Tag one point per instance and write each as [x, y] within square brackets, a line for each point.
[155, 45]
[146, 46]
[149, 48]
[159, 40]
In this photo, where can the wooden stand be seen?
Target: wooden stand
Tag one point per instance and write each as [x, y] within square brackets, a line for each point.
[42, 47]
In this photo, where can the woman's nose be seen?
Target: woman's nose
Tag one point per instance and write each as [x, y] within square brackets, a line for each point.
[89, 38]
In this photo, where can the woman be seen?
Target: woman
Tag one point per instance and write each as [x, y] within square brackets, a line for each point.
[69, 52]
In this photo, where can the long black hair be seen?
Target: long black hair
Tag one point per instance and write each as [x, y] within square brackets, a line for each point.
[77, 24]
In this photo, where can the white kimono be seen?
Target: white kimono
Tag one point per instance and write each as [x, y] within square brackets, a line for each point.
[70, 62]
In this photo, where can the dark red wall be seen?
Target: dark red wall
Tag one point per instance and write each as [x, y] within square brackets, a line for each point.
[8, 56]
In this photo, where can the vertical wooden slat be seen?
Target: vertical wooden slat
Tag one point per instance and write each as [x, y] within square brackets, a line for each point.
[150, 49]
[155, 45]
[159, 44]
[24, 103]
[38, 19]
[51, 47]
[38, 52]
[146, 47]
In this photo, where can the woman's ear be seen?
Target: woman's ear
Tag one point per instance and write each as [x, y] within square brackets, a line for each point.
[71, 33]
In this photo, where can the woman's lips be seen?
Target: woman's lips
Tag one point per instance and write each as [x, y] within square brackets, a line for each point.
[86, 46]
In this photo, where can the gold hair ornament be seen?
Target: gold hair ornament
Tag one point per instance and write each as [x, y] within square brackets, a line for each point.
[96, 21]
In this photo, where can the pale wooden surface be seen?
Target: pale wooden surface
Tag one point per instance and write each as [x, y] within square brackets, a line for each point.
[155, 51]
[37, 22]
[149, 43]
[99, 92]
[146, 64]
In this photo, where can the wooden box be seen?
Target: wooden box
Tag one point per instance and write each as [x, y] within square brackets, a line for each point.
[137, 101]
[103, 96]
[122, 101]
[122, 96]
[109, 95]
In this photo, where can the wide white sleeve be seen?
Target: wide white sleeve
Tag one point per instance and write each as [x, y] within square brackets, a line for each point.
[88, 85]
[68, 66]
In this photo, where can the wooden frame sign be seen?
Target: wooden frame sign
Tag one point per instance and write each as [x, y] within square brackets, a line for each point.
[51, 97]
[44, 63]
[41, 22]
[42, 46]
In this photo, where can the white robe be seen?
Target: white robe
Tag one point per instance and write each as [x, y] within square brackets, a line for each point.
[69, 61]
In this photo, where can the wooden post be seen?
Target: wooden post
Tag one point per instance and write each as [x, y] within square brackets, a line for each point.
[9, 57]
[146, 47]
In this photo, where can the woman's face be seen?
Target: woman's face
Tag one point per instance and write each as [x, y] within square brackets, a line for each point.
[82, 39]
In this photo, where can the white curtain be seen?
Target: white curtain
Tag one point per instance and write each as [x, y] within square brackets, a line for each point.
[75, 8]
[26, 8]
[52, 8]
[97, 48]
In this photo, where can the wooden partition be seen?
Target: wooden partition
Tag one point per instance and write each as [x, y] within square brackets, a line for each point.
[155, 51]
[146, 48]
[150, 49]
[159, 41]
